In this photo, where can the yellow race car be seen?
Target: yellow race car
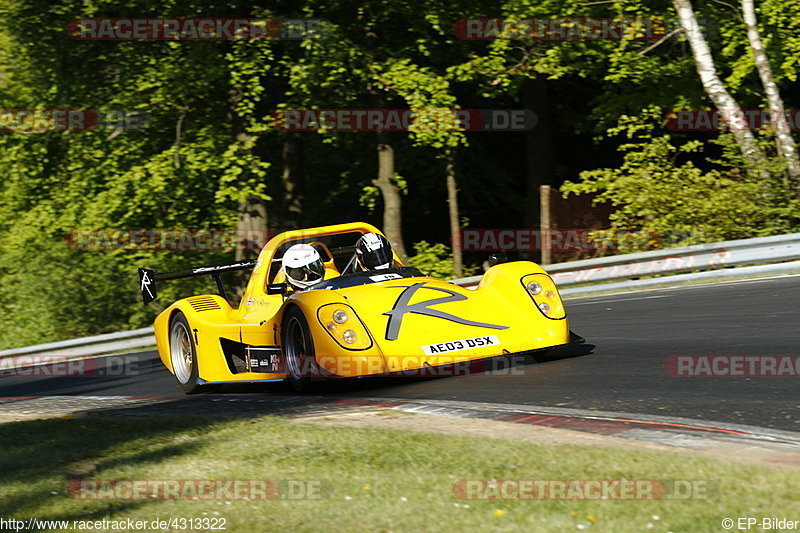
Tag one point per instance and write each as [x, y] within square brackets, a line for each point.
[353, 323]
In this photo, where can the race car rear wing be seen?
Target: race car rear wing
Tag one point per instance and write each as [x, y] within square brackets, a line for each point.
[148, 278]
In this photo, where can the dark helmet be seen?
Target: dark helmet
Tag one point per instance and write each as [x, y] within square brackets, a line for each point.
[373, 252]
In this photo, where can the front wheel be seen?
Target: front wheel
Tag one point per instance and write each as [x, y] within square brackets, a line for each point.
[183, 354]
[298, 350]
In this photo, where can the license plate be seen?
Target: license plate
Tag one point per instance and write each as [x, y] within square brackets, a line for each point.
[462, 344]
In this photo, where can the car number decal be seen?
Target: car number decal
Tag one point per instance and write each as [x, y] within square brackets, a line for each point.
[463, 344]
[385, 277]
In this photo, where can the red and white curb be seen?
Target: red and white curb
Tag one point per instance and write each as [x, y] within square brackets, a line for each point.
[669, 431]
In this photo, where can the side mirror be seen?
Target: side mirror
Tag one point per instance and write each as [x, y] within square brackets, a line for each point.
[278, 288]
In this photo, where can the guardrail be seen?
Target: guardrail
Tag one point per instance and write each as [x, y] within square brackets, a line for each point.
[96, 345]
[702, 257]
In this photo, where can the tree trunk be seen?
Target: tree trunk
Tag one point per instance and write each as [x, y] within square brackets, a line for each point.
[539, 150]
[545, 224]
[392, 198]
[251, 235]
[712, 85]
[784, 140]
[251, 227]
[293, 180]
[455, 218]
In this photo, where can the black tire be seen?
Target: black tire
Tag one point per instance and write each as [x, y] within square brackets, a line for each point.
[297, 347]
[183, 354]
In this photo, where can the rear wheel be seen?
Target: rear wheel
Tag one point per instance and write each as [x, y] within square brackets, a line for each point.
[183, 354]
[298, 350]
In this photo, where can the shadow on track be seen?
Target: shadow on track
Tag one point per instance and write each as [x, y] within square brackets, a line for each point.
[497, 366]
[143, 374]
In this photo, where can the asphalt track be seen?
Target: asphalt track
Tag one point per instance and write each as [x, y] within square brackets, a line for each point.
[633, 334]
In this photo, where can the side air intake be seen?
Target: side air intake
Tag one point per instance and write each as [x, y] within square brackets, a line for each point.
[203, 303]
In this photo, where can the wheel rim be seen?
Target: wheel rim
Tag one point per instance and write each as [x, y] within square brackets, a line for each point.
[180, 345]
[295, 348]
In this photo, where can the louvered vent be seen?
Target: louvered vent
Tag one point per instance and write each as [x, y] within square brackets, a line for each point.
[203, 303]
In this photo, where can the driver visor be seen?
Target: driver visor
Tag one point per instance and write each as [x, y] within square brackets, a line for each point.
[311, 272]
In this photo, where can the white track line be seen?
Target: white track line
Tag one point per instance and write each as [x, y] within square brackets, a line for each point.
[621, 300]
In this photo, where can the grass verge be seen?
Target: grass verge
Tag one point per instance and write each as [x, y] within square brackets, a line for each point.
[370, 479]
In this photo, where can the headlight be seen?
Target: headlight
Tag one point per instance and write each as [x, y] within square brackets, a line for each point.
[534, 288]
[344, 326]
[542, 290]
[340, 316]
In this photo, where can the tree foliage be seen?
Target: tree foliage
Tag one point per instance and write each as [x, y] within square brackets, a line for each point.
[659, 189]
[208, 139]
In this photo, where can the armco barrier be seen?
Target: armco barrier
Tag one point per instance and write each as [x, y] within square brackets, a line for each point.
[705, 258]
[99, 344]
[700, 257]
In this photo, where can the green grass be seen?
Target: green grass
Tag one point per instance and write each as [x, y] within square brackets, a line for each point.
[371, 479]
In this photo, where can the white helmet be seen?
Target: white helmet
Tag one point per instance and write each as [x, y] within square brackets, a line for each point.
[303, 266]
